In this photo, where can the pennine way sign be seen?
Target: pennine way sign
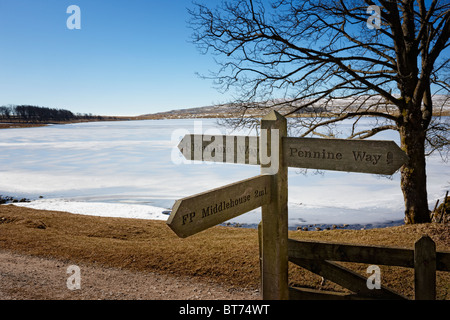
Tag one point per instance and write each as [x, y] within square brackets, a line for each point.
[204, 210]
[367, 156]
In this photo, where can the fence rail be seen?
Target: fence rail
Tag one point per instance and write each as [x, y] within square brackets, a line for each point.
[318, 258]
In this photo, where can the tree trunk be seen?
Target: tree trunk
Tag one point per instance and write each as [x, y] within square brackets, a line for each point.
[413, 173]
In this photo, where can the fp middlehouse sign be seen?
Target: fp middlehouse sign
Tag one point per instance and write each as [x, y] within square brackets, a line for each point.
[274, 151]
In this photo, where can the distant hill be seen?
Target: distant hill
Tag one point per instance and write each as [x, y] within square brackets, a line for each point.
[441, 104]
[219, 111]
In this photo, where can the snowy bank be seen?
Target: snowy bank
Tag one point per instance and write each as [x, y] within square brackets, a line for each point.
[114, 210]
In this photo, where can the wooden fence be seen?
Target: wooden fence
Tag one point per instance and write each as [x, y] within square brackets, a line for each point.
[319, 257]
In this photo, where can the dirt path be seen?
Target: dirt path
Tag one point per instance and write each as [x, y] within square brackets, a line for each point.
[25, 277]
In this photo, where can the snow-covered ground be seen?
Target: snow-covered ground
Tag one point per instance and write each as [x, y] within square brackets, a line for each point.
[132, 169]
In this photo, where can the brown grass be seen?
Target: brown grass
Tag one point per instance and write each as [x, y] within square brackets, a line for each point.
[20, 125]
[223, 254]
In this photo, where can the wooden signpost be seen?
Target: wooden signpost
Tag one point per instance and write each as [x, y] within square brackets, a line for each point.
[274, 152]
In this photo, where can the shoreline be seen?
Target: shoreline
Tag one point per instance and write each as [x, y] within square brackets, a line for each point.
[156, 116]
[11, 125]
[325, 226]
[11, 200]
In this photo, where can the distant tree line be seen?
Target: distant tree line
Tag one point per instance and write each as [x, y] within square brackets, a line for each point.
[33, 114]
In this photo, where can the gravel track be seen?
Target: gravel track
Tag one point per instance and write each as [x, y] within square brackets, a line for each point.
[24, 277]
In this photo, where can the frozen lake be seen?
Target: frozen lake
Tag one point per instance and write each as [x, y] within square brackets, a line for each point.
[130, 169]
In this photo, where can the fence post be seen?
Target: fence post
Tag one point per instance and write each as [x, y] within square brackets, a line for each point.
[425, 269]
[274, 273]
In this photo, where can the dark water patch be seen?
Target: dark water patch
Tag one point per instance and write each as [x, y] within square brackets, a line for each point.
[10, 199]
[324, 226]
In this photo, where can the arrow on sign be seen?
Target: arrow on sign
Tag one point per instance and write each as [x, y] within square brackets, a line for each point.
[220, 148]
[199, 212]
[368, 156]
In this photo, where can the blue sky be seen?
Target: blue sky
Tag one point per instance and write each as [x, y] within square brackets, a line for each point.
[129, 57]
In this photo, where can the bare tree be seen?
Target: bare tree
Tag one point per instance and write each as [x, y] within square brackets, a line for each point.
[328, 58]
[5, 112]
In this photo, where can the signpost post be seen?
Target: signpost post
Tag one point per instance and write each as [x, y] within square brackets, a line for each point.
[274, 273]
[274, 152]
